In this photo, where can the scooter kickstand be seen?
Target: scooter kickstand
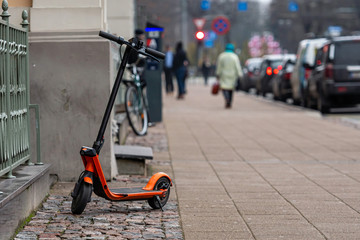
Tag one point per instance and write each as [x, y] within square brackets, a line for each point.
[158, 200]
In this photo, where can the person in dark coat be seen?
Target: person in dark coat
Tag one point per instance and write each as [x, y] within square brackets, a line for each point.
[168, 68]
[205, 69]
[179, 66]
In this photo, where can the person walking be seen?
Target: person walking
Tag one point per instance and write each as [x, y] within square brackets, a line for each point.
[205, 69]
[180, 63]
[228, 70]
[168, 65]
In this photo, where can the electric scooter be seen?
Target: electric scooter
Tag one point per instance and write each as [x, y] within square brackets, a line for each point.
[156, 191]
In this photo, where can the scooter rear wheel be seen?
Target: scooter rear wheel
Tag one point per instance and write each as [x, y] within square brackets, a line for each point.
[162, 183]
[79, 202]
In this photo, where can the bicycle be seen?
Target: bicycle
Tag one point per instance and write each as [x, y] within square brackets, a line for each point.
[136, 104]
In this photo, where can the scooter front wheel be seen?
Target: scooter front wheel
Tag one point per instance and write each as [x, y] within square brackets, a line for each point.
[83, 197]
[161, 184]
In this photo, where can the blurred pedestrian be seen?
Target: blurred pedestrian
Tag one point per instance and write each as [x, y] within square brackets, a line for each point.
[228, 70]
[139, 36]
[168, 68]
[179, 66]
[205, 69]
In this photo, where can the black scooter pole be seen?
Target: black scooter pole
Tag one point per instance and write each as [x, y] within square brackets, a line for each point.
[100, 137]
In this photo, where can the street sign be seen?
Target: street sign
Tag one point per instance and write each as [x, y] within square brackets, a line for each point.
[242, 6]
[209, 39]
[205, 5]
[199, 23]
[335, 31]
[220, 25]
[293, 6]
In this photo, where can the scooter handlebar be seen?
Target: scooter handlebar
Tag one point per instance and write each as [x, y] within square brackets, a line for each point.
[155, 53]
[120, 40]
[111, 37]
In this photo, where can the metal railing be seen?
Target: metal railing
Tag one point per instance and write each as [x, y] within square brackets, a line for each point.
[14, 94]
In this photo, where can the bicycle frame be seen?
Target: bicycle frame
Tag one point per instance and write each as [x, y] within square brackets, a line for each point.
[137, 83]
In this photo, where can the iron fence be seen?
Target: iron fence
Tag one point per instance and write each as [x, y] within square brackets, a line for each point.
[14, 94]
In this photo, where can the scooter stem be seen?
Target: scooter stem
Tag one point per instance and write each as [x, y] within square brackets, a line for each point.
[100, 137]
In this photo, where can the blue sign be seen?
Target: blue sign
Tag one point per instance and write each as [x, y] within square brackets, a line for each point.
[205, 5]
[208, 44]
[293, 6]
[242, 6]
[211, 35]
[335, 30]
[209, 39]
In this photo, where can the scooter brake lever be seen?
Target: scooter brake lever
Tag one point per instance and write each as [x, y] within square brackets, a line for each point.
[142, 52]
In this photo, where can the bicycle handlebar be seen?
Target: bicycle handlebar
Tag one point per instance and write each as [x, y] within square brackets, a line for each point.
[143, 50]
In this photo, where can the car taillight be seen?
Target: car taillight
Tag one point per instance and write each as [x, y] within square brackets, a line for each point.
[276, 71]
[341, 89]
[287, 76]
[307, 73]
[329, 71]
[269, 71]
[279, 67]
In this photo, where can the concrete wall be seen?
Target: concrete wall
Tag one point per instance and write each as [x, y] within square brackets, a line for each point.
[71, 74]
[68, 15]
[70, 78]
[120, 17]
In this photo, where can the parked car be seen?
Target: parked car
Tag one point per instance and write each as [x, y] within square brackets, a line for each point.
[270, 66]
[335, 80]
[304, 64]
[251, 70]
[281, 82]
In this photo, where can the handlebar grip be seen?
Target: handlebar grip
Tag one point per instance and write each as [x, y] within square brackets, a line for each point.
[110, 37]
[155, 53]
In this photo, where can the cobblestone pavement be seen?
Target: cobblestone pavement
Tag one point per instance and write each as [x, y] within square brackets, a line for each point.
[103, 219]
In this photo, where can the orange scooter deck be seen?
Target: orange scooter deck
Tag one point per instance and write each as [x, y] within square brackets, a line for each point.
[133, 190]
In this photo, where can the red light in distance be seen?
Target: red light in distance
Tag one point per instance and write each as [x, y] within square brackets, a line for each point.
[269, 71]
[200, 35]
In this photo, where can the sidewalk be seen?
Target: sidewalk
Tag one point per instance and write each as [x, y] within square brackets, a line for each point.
[261, 170]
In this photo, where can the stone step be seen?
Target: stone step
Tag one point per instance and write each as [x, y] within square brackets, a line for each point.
[131, 159]
[22, 195]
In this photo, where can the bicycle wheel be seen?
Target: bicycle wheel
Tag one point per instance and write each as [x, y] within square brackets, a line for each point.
[79, 202]
[162, 183]
[136, 111]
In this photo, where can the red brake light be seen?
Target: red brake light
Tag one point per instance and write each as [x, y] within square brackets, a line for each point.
[287, 76]
[280, 67]
[268, 70]
[276, 71]
[329, 73]
[341, 89]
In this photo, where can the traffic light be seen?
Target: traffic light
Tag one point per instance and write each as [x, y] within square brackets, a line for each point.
[200, 35]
